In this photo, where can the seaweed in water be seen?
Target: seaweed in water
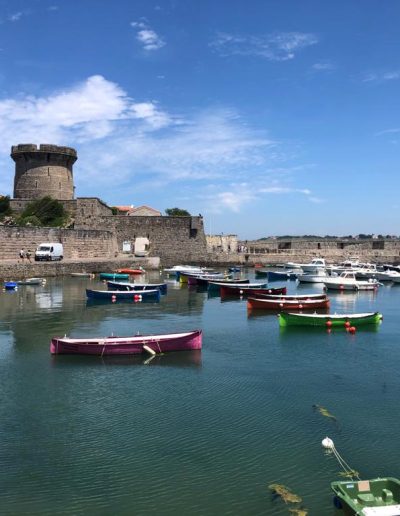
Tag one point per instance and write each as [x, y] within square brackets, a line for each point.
[324, 412]
[285, 493]
[299, 512]
[288, 497]
[351, 473]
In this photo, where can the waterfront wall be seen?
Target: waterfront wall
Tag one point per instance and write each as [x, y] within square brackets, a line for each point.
[77, 243]
[16, 270]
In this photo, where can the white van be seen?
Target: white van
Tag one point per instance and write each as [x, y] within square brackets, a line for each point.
[49, 251]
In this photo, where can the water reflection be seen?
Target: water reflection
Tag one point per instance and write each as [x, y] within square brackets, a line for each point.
[174, 359]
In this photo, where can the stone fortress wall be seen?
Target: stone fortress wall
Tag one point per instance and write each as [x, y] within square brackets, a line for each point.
[96, 233]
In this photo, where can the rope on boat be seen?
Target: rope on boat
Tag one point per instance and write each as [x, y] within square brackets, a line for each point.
[348, 471]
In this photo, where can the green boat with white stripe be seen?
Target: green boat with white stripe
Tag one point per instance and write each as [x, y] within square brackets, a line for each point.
[328, 320]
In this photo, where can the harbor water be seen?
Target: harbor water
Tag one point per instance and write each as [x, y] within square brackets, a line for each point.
[191, 433]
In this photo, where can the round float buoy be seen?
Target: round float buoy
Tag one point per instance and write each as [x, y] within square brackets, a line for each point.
[327, 443]
[281, 305]
[328, 324]
[113, 298]
[269, 291]
[352, 329]
[136, 298]
[300, 306]
[341, 287]
[240, 292]
[347, 324]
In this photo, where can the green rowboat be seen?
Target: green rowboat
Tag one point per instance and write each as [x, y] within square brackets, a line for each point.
[113, 276]
[377, 497]
[330, 320]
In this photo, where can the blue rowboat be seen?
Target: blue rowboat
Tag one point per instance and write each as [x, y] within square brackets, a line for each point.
[116, 285]
[10, 285]
[113, 276]
[128, 295]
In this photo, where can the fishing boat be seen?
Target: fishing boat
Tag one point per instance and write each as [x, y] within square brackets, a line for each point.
[348, 281]
[116, 285]
[329, 320]
[202, 279]
[318, 276]
[131, 272]
[118, 295]
[216, 285]
[32, 281]
[261, 273]
[315, 264]
[10, 285]
[235, 269]
[291, 297]
[177, 269]
[152, 344]
[270, 291]
[375, 497]
[240, 290]
[113, 276]
[288, 304]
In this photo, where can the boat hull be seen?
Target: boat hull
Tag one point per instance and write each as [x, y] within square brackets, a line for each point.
[128, 345]
[331, 320]
[137, 287]
[131, 272]
[118, 295]
[240, 290]
[285, 305]
[113, 276]
[379, 496]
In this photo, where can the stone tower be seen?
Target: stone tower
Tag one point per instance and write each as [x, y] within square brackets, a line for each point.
[42, 171]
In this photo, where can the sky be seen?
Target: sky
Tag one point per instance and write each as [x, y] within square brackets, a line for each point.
[268, 117]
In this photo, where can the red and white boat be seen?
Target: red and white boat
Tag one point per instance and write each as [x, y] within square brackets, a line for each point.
[137, 344]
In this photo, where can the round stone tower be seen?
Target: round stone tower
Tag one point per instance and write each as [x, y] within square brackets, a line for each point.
[43, 170]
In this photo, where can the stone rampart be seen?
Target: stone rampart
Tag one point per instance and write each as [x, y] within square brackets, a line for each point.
[77, 243]
[173, 239]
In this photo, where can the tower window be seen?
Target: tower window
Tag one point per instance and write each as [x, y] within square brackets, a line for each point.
[35, 184]
[59, 185]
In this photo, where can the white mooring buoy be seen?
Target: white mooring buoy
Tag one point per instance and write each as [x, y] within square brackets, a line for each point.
[327, 443]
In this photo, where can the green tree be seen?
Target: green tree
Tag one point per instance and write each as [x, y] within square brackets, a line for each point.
[5, 206]
[177, 212]
[44, 212]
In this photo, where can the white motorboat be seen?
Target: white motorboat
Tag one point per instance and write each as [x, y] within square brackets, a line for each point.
[388, 275]
[314, 265]
[319, 276]
[366, 271]
[350, 264]
[348, 281]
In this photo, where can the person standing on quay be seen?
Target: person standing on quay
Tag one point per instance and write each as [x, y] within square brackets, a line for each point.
[28, 255]
[22, 255]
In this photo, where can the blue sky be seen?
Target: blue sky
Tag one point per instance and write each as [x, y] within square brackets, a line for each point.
[267, 117]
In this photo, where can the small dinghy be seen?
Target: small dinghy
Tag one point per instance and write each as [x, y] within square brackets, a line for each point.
[131, 271]
[10, 285]
[152, 344]
[127, 295]
[331, 320]
[32, 281]
[113, 276]
[288, 304]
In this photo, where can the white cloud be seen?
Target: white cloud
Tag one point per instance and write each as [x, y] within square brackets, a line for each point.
[281, 46]
[146, 149]
[86, 111]
[15, 16]
[323, 67]
[381, 76]
[149, 39]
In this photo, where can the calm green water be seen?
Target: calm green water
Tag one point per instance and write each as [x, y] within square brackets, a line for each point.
[189, 433]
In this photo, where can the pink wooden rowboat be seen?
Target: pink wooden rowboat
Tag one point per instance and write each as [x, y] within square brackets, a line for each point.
[128, 345]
